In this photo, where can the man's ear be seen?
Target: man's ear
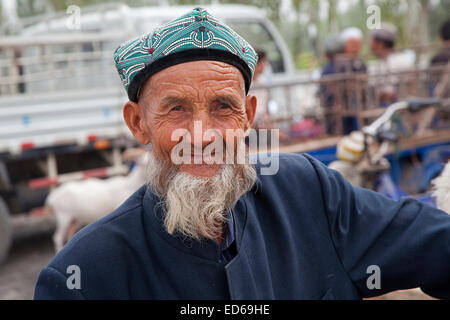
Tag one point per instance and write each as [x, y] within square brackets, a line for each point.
[135, 120]
[250, 109]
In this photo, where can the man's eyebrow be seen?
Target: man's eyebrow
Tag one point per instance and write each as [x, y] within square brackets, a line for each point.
[229, 100]
[169, 101]
[172, 100]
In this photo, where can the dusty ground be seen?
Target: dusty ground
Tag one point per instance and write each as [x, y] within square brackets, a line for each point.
[33, 251]
[19, 273]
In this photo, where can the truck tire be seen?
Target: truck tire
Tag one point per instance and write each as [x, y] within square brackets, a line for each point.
[5, 231]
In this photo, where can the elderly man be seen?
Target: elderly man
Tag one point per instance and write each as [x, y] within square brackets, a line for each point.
[227, 231]
[352, 39]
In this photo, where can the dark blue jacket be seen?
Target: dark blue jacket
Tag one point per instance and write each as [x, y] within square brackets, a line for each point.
[304, 233]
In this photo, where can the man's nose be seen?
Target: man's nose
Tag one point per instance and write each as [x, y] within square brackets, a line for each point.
[202, 130]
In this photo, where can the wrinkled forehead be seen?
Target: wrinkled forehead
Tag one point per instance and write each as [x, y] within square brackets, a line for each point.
[195, 78]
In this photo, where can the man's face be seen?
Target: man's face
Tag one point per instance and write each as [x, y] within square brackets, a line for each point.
[377, 47]
[353, 47]
[260, 66]
[207, 91]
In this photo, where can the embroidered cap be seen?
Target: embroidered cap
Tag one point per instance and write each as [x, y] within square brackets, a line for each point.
[194, 36]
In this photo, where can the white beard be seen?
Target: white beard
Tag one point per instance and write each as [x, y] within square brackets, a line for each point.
[197, 207]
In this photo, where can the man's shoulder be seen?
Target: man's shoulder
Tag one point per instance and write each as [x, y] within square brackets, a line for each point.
[286, 161]
[442, 57]
[102, 239]
[287, 167]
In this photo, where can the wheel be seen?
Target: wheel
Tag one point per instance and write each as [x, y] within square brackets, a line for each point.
[5, 231]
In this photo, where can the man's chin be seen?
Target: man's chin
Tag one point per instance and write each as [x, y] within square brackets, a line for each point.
[201, 170]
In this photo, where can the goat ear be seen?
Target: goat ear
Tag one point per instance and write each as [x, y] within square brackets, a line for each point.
[134, 118]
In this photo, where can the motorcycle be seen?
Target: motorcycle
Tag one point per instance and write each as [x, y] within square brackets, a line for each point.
[363, 155]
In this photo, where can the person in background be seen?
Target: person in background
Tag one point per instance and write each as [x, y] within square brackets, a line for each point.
[262, 116]
[382, 41]
[343, 53]
[352, 39]
[382, 45]
[439, 61]
[333, 47]
[443, 56]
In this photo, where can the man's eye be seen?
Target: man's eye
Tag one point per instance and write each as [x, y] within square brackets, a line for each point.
[177, 108]
[223, 106]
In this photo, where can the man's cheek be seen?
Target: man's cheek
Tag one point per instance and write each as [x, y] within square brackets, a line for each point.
[234, 122]
[162, 145]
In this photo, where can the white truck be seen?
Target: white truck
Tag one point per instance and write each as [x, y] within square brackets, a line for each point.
[61, 99]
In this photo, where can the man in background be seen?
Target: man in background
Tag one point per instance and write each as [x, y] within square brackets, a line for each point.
[333, 47]
[382, 44]
[439, 72]
[352, 39]
[262, 115]
[263, 119]
[343, 52]
[443, 56]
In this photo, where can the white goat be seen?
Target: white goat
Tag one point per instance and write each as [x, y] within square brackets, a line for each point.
[84, 202]
[441, 189]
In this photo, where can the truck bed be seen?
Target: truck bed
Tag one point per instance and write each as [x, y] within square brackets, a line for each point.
[59, 118]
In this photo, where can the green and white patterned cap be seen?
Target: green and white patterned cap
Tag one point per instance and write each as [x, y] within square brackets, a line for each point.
[194, 36]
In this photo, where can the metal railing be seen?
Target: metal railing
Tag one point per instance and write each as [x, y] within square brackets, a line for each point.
[57, 62]
[340, 103]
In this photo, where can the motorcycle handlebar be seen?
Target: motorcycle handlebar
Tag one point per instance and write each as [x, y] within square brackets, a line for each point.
[412, 105]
